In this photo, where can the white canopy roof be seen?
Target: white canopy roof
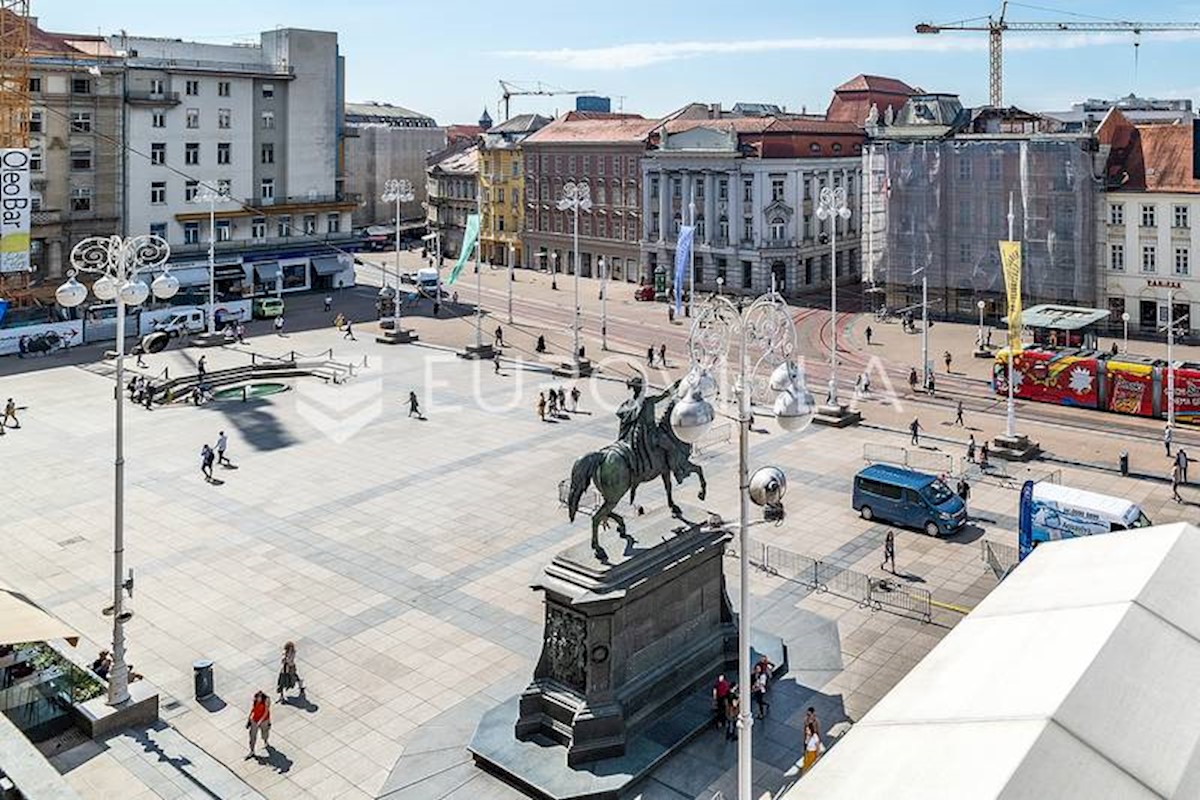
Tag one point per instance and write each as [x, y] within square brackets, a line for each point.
[23, 621]
[1076, 677]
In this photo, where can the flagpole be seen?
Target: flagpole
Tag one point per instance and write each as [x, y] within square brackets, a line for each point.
[478, 271]
[1011, 420]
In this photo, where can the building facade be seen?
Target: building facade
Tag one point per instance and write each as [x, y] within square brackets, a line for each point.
[1151, 222]
[604, 151]
[452, 186]
[261, 123]
[751, 187]
[502, 182]
[383, 142]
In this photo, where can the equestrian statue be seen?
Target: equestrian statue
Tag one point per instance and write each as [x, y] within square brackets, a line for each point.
[646, 448]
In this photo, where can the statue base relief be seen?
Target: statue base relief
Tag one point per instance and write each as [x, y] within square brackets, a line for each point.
[632, 645]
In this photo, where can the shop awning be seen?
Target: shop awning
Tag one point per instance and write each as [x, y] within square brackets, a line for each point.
[23, 621]
[327, 265]
[267, 271]
[225, 271]
[191, 276]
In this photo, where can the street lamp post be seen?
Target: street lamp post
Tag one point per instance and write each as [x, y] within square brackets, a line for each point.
[575, 197]
[1125, 334]
[118, 262]
[721, 340]
[980, 305]
[832, 206]
[397, 191]
[554, 270]
[603, 304]
[512, 254]
[208, 193]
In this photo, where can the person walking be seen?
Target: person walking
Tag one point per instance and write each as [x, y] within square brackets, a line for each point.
[732, 704]
[963, 489]
[912, 379]
[1176, 474]
[541, 406]
[540, 347]
[140, 351]
[259, 721]
[958, 414]
[869, 332]
[812, 748]
[930, 385]
[148, 394]
[553, 402]
[10, 412]
[328, 304]
[662, 355]
[241, 333]
[279, 325]
[1166, 438]
[983, 456]
[288, 677]
[349, 331]
[889, 551]
[948, 359]
[758, 690]
[499, 336]
[202, 367]
[414, 408]
[1181, 458]
[971, 448]
[915, 429]
[575, 401]
[222, 443]
[720, 698]
[810, 720]
[650, 356]
[206, 462]
[496, 363]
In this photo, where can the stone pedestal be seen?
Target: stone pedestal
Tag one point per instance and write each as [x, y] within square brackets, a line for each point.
[481, 352]
[984, 354]
[214, 339]
[836, 416]
[1015, 448]
[394, 336]
[574, 369]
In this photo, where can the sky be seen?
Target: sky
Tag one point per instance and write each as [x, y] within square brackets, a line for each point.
[445, 59]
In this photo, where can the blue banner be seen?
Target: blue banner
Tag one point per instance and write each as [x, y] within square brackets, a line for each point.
[1025, 522]
[683, 262]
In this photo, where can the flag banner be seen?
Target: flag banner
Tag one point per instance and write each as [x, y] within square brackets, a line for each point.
[683, 262]
[1010, 265]
[470, 239]
[15, 208]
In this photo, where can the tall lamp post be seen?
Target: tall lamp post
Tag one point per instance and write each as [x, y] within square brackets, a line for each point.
[554, 270]
[576, 197]
[512, 255]
[119, 262]
[727, 339]
[603, 304]
[980, 305]
[832, 206]
[209, 193]
[1125, 333]
[397, 191]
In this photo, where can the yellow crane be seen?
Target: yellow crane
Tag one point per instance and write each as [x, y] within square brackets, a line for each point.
[510, 89]
[14, 73]
[997, 26]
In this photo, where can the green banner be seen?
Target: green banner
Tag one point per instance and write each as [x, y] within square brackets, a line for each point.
[470, 237]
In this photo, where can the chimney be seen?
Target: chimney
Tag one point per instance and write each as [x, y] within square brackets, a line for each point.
[714, 111]
[1196, 149]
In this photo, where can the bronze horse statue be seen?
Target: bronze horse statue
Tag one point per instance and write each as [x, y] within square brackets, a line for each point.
[646, 448]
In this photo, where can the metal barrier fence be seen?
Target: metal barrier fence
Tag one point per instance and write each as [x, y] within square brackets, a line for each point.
[1000, 558]
[713, 439]
[924, 460]
[874, 593]
[589, 501]
[1009, 476]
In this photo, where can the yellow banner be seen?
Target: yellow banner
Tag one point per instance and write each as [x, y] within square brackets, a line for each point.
[1010, 264]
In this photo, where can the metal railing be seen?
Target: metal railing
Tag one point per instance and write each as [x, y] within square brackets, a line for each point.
[1001, 559]
[589, 501]
[941, 463]
[714, 438]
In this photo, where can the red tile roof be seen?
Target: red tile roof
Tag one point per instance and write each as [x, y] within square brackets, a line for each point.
[584, 127]
[40, 41]
[876, 83]
[852, 100]
[1160, 159]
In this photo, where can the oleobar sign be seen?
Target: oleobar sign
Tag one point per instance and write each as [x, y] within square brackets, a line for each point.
[14, 210]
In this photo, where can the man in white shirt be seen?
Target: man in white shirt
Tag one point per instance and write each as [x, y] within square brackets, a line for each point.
[222, 443]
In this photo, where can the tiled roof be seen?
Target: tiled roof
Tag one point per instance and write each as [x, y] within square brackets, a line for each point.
[523, 123]
[456, 160]
[852, 100]
[42, 42]
[1152, 158]
[384, 110]
[583, 127]
[876, 83]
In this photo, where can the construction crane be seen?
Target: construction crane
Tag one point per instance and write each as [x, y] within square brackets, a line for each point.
[997, 26]
[510, 89]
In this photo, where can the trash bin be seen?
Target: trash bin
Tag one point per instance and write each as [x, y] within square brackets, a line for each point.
[1124, 463]
[202, 674]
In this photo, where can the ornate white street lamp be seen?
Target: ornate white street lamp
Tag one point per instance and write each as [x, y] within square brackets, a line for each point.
[118, 262]
[832, 206]
[742, 345]
[1125, 323]
[211, 194]
[397, 191]
[576, 197]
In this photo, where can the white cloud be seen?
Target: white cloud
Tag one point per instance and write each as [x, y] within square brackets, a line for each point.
[644, 54]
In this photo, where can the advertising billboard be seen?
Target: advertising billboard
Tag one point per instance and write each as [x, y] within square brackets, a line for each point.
[14, 209]
[1130, 387]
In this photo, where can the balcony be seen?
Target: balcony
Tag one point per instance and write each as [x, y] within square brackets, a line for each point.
[144, 98]
[283, 203]
[298, 239]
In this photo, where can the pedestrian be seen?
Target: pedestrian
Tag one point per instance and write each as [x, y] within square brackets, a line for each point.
[328, 303]
[858, 387]
[662, 355]
[971, 448]
[241, 333]
[915, 429]
[947, 358]
[812, 748]
[349, 334]
[720, 698]
[10, 412]
[912, 379]
[222, 443]
[963, 489]
[958, 414]
[202, 367]
[437, 307]
[102, 664]
[279, 325]
[983, 457]
[259, 721]
[866, 384]
[454, 299]
[131, 387]
[929, 385]
[148, 395]
[499, 336]
[650, 356]
[413, 406]
[1181, 458]
[732, 703]
[758, 690]
[288, 677]
[1114, 350]
[140, 351]
[206, 462]
[553, 401]
[541, 406]
[889, 551]
[1167, 439]
[562, 400]
[869, 332]
[575, 400]
[541, 344]
[1176, 474]
[810, 719]
[496, 362]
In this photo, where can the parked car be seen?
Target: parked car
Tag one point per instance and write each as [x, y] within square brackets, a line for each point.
[905, 497]
[644, 292]
[185, 322]
[266, 308]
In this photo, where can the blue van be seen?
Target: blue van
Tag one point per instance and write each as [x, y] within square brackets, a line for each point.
[909, 498]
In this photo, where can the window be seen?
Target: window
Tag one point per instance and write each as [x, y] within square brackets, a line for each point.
[81, 159]
[747, 191]
[35, 85]
[500, 194]
[223, 117]
[258, 228]
[267, 189]
[748, 229]
[814, 148]
[310, 224]
[158, 192]
[654, 226]
[723, 229]
[158, 153]
[224, 230]
[964, 167]
[192, 88]
[35, 159]
[81, 198]
[81, 122]
[268, 120]
[191, 233]
[699, 190]
[571, 164]
[516, 168]
[837, 147]
[158, 120]
[267, 153]
[747, 274]
[1181, 217]
[333, 223]
[1116, 214]
[157, 86]
[1182, 259]
[35, 121]
[223, 152]
[158, 229]
[268, 91]
[222, 88]
[1148, 258]
[193, 118]
[500, 223]
[964, 253]
[995, 168]
[81, 86]
[723, 189]
[189, 191]
[1116, 257]
[654, 187]
[1148, 218]
[778, 230]
[283, 227]
[191, 153]
[776, 189]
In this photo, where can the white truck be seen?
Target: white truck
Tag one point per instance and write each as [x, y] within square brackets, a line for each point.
[1049, 512]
